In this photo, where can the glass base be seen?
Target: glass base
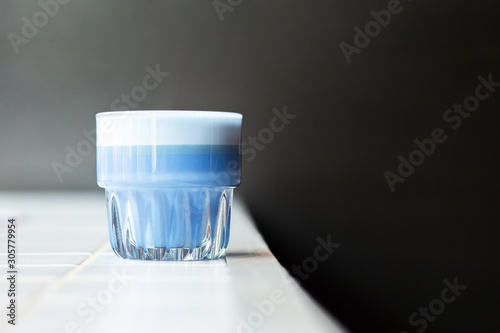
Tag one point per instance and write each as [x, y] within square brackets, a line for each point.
[169, 223]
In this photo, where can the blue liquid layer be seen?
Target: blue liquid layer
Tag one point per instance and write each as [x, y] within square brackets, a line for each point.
[169, 224]
[169, 166]
[169, 202]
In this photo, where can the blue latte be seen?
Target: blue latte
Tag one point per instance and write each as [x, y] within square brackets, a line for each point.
[169, 178]
[169, 166]
[168, 200]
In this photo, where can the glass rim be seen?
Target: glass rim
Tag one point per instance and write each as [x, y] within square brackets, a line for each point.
[171, 113]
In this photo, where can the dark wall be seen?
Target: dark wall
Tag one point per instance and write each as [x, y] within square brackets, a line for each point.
[323, 173]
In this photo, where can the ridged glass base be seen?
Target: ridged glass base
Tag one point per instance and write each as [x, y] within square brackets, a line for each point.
[169, 223]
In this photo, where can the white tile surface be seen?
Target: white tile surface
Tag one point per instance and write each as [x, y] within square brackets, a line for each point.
[70, 280]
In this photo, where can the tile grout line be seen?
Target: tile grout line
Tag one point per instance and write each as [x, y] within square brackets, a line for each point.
[38, 297]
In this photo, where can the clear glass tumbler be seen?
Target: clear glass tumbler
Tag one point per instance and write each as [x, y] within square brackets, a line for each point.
[169, 178]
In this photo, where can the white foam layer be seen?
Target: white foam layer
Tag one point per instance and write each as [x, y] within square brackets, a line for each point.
[122, 128]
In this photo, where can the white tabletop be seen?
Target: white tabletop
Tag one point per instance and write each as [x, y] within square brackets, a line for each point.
[69, 279]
